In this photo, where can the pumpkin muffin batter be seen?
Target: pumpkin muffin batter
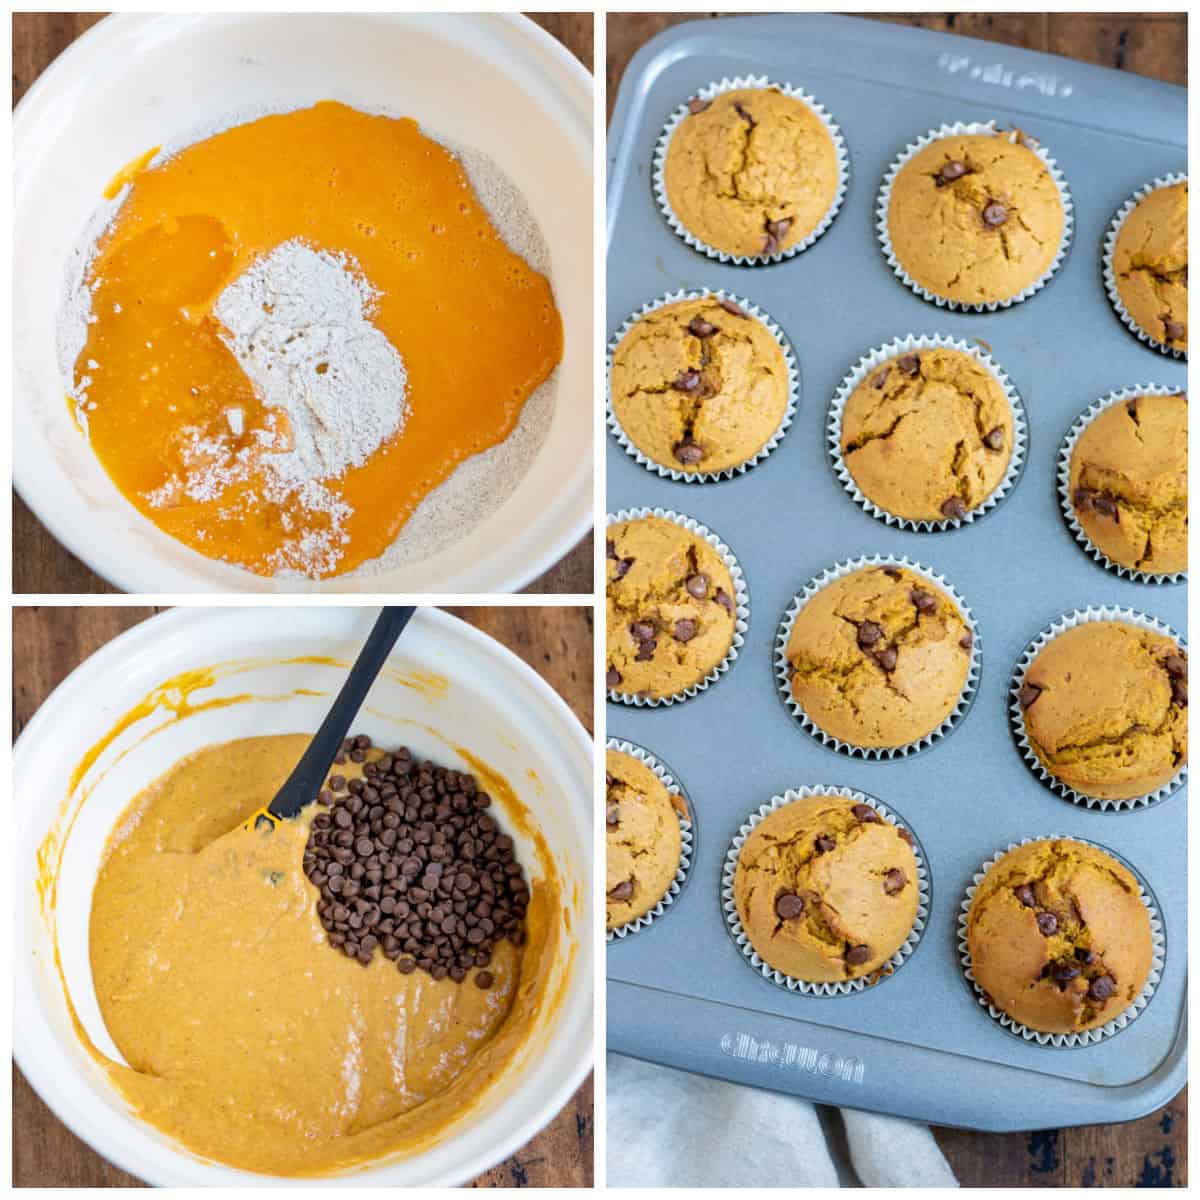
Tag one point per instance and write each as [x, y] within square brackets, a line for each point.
[826, 889]
[1128, 483]
[975, 218]
[1150, 265]
[879, 657]
[928, 434]
[699, 385]
[1105, 709]
[163, 399]
[751, 172]
[670, 608]
[1059, 937]
[247, 1037]
[643, 841]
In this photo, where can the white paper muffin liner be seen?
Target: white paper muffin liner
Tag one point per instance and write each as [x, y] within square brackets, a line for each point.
[741, 605]
[741, 939]
[1091, 1036]
[907, 345]
[1017, 713]
[1110, 276]
[685, 834]
[883, 202]
[837, 571]
[728, 85]
[1065, 453]
[793, 376]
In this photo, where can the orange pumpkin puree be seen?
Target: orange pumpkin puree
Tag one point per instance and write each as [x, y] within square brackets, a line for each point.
[475, 324]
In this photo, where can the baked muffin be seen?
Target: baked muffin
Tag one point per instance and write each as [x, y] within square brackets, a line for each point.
[1150, 265]
[975, 218]
[751, 172]
[643, 843]
[928, 434]
[699, 385]
[1105, 709]
[1059, 937]
[826, 889]
[671, 608]
[1128, 483]
[879, 657]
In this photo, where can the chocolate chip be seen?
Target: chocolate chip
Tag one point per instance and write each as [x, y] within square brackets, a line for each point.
[966, 641]
[484, 980]
[643, 631]
[910, 365]
[685, 630]
[699, 327]
[697, 585]
[954, 508]
[696, 105]
[857, 955]
[613, 678]
[688, 453]
[865, 813]
[1024, 893]
[824, 843]
[923, 601]
[622, 568]
[770, 245]
[1176, 666]
[1028, 693]
[1047, 924]
[1179, 692]
[994, 214]
[886, 658]
[1106, 506]
[722, 598]
[687, 381]
[622, 891]
[779, 229]
[1064, 972]
[880, 379]
[868, 634]
[612, 818]
[1176, 331]
[788, 906]
[950, 171]
[894, 881]
[1102, 987]
[994, 438]
[732, 308]
[1085, 956]
[645, 651]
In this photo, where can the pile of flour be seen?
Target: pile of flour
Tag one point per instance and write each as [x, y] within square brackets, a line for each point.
[298, 322]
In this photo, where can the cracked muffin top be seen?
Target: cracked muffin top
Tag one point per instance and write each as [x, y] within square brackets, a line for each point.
[1059, 937]
[643, 842]
[928, 434]
[826, 889]
[975, 218]
[751, 172]
[1105, 709]
[1129, 485]
[1150, 265]
[879, 657]
[671, 607]
[699, 385]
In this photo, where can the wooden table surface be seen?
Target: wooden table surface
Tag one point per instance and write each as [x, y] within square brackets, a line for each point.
[40, 564]
[49, 643]
[1151, 1152]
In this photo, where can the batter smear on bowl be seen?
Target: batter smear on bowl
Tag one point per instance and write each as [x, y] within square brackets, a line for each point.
[298, 328]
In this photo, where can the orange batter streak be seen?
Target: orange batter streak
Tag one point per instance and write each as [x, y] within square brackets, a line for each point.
[475, 324]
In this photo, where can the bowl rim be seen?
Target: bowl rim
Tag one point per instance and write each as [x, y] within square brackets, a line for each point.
[57, 1093]
[509, 574]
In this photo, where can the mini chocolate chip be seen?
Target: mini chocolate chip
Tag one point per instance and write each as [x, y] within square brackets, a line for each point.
[697, 585]
[645, 651]
[722, 598]
[643, 631]
[1106, 506]
[894, 881]
[484, 980]
[868, 634]
[1064, 972]
[954, 508]
[1028, 694]
[887, 657]
[892, 572]
[865, 813]
[685, 630]
[699, 327]
[857, 955]
[923, 601]
[880, 379]
[1024, 893]
[770, 245]
[406, 965]
[612, 818]
[994, 214]
[613, 678]
[994, 438]
[687, 381]
[778, 229]
[623, 568]
[622, 891]
[688, 453]
[788, 906]
[824, 843]
[909, 364]
[1179, 692]
[966, 641]
[1176, 331]
[733, 309]
[696, 105]
[1102, 987]
[1085, 956]
[1047, 924]
[951, 171]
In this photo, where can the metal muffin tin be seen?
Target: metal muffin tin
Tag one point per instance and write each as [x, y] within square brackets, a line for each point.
[678, 993]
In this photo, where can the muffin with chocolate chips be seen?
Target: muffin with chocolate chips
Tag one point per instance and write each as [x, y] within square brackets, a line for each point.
[670, 608]
[751, 172]
[1150, 265]
[826, 889]
[643, 842]
[699, 385]
[1059, 937]
[879, 657]
[928, 434]
[1104, 706]
[1128, 483]
[975, 218]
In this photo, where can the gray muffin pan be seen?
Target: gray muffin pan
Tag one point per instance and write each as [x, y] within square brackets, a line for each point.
[919, 1044]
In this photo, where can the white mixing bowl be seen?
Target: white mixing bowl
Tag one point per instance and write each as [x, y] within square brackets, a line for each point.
[496, 82]
[492, 704]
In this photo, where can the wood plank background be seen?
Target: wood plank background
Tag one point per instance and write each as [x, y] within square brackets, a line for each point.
[48, 643]
[1151, 1152]
[40, 564]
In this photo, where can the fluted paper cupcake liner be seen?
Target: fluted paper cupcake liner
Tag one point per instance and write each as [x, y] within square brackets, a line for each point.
[960, 128]
[728, 85]
[741, 939]
[1110, 276]
[1091, 1036]
[789, 358]
[687, 841]
[837, 571]
[741, 602]
[1017, 713]
[875, 358]
[1065, 453]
